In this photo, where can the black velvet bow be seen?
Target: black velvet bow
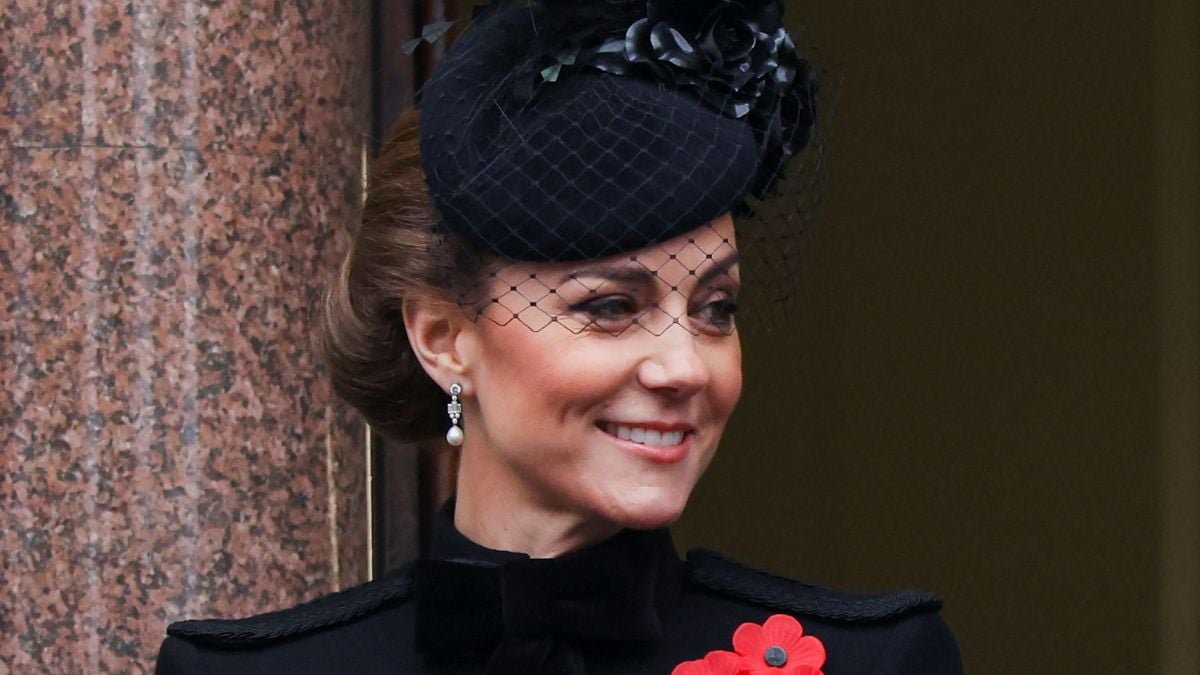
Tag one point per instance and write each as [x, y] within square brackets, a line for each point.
[532, 614]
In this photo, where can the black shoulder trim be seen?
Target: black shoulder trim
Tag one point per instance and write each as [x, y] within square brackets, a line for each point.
[713, 571]
[328, 610]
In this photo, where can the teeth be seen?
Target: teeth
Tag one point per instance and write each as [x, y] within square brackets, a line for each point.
[645, 436]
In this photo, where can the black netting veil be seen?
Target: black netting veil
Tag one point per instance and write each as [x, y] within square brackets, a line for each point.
[619, 163]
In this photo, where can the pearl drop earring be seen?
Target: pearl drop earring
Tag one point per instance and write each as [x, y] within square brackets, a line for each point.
[455, 435]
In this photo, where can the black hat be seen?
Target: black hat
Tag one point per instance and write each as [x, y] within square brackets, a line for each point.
[575, 129]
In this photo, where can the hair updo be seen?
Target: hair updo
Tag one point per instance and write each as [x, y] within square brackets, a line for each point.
[399, 248]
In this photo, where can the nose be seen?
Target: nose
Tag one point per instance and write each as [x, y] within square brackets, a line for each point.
[674, 365]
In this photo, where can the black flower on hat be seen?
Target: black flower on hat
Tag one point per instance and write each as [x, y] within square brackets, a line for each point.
[723, 50]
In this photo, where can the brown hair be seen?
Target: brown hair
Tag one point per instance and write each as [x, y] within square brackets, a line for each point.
[399, 248]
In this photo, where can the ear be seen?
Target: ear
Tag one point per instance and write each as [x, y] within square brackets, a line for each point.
[440, 334]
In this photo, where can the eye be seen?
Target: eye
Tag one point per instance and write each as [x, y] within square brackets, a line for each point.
[609, 311]
[718, 314]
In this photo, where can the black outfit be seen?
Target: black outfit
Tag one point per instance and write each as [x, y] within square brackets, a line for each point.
[624, 607]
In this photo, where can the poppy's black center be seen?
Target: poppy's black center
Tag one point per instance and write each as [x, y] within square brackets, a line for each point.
[775, 656]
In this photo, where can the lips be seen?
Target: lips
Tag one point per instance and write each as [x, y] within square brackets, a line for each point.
[645, 436]
[654, 434]
[660, 443]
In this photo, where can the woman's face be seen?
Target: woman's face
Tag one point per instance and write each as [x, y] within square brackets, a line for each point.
[607, 397]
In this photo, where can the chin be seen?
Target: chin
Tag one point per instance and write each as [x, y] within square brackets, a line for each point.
[650, 513]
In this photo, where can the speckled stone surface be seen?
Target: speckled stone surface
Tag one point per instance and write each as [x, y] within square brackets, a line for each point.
[173, 181]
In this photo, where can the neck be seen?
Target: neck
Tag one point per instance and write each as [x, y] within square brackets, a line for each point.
[495, 510]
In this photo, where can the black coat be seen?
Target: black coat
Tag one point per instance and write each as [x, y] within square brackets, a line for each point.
[625, 607]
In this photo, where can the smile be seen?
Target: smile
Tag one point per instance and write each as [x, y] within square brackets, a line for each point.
[645, 436]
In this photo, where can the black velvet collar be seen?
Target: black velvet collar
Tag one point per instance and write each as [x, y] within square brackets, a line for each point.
[472, 599]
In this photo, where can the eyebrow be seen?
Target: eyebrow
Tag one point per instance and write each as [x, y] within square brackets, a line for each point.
[633, 273]
[722, 266]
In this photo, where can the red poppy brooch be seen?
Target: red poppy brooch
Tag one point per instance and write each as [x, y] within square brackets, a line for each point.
[777, 647]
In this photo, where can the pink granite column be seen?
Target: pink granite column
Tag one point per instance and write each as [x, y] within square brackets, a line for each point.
[173, 178]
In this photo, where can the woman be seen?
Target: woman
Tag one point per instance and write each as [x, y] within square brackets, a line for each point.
[548, 272]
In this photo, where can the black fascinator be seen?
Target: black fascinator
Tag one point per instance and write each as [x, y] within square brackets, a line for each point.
[563, 131]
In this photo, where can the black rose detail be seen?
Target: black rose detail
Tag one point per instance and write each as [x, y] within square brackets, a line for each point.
[730, 53]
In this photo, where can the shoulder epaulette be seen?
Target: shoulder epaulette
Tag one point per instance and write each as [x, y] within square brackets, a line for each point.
[713, 571]
[323, 612]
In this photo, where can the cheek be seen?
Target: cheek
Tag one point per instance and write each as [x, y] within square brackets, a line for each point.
[533, 380]
[727, 378]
